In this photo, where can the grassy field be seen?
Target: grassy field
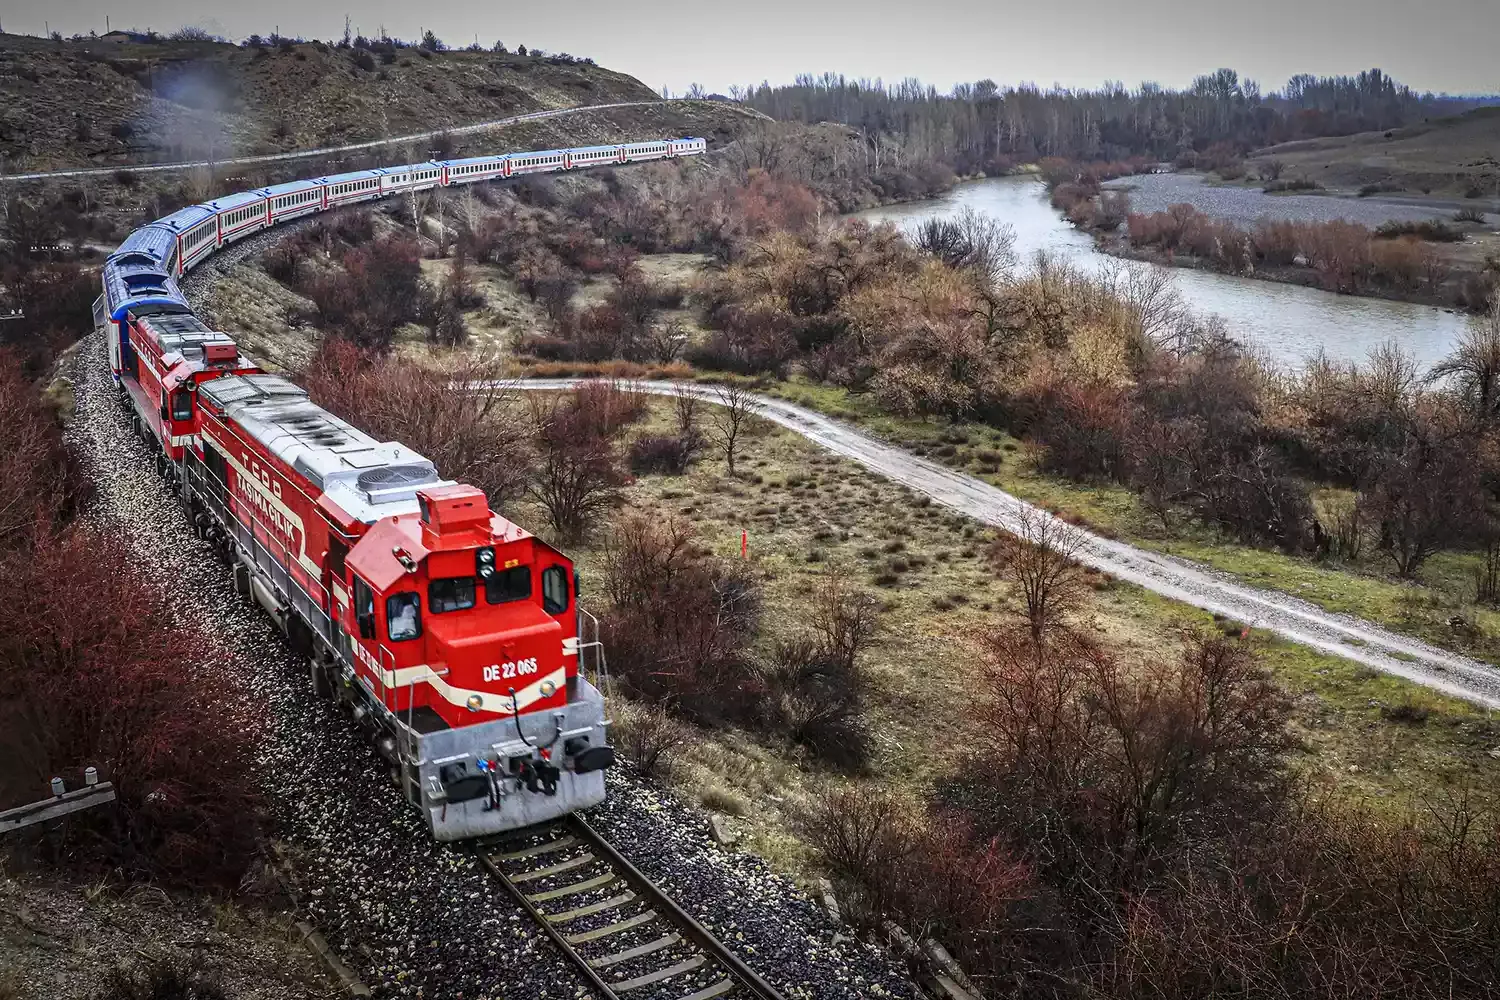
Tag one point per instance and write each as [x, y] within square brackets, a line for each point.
[1446, 158]
[807, 514]
[1424, 607]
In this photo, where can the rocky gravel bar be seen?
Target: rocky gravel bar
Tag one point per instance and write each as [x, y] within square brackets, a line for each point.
[412, 917]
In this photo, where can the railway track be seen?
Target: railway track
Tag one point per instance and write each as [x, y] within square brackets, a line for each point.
[626, 936]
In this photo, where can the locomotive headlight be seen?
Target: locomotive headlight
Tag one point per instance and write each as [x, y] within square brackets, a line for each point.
[475, 702]
[486, 556]
[548, 689]
[485, 572]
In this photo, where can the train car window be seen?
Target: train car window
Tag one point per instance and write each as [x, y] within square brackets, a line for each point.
[555, 590]
[512, 584]
[403, 617]
[453, 594]
[182, 405]
[364, 608]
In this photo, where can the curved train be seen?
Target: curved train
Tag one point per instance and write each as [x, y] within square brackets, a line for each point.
[452, 637]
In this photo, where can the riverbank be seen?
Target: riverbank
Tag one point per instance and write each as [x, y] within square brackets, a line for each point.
[1322, 239]
[1118, 246]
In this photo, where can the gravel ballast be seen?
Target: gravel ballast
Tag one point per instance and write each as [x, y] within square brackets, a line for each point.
[412, 917]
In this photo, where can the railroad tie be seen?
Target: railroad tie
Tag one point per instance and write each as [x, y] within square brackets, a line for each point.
[574, 889]
[531, 852]
[565, 866]
[583, 937]
[665, 941]
[696, 962]
[564, 916]
[708, 992]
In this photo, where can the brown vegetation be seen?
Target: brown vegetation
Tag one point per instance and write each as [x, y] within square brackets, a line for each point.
[100, 671]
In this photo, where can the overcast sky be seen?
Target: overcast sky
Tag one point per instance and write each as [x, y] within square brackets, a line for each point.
[1429, 44]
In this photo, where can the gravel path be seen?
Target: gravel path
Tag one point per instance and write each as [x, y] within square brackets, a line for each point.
[412, 917]
[1179, 579]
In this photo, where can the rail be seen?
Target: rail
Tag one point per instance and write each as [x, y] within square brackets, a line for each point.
[621, 931]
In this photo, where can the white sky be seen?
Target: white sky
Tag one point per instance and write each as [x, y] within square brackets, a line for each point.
[1429, 44]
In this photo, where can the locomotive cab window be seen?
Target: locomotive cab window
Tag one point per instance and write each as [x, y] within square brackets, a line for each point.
[452, 594]
[403, 617]
[555, 590]
[512, 584]
[182, 405]
[364, 608]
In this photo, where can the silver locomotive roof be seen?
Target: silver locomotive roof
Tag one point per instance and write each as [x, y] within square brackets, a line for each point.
[369, 479]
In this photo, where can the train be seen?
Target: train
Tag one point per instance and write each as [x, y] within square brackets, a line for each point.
[452, 637]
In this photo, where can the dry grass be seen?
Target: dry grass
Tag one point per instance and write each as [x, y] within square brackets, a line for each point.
[807, 513]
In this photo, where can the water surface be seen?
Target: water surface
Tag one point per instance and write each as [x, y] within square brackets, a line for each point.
[1286, 322]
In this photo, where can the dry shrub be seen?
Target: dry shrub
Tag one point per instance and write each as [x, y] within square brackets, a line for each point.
[649, 735]
[1081, 431]
[679, 623]
[100, 672]
[932, 871]
[38, 485]
[1038, 558]
[664, 454]
[379, 289]
[575, 476]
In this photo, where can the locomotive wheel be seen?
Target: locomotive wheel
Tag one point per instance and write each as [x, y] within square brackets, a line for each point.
[322, 684]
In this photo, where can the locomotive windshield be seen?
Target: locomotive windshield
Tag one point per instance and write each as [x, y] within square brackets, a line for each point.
[452, 594]
[512, 584]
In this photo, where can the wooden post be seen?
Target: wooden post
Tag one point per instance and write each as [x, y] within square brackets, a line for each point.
[62, 802]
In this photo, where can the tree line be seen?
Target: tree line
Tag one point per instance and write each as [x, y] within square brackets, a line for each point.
[981, 125]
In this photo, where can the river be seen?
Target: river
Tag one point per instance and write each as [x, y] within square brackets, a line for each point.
[1287, 323]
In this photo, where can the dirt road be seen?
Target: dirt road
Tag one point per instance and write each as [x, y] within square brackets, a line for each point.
[1179, 579]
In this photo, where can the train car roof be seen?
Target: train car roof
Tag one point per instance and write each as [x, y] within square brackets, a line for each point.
[403, 168]
[366, 478]
[538, 152]
[136, 286]
[184, 333]
[237, 200]
[287, 188]
[151, 244]
[591, 149]
[353, 175]
[475, 159]
[186, 218]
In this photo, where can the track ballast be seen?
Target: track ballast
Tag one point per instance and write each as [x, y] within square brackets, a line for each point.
[622, 932]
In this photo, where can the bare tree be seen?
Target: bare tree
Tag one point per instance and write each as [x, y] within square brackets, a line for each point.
[847, 618]
[574, 477]
[1473, 369]
[1271, 170]
[686, 407]
[729, 419]
[1039, 558]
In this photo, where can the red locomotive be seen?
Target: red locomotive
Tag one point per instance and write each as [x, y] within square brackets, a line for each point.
[451, 636]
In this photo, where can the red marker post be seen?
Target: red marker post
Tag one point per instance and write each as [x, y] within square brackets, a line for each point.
[744, 545]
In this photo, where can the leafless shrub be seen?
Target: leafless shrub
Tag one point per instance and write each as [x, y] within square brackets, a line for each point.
[649, 735]
[1039, 558]
[575, 477]
[728, 420]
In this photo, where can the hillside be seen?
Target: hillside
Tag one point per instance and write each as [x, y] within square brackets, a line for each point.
[97, 103]
[1457, 157]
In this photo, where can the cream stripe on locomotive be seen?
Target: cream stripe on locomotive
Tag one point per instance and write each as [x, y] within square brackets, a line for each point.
[489, 701]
